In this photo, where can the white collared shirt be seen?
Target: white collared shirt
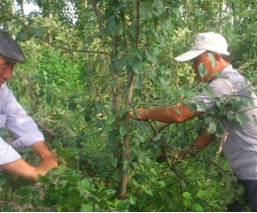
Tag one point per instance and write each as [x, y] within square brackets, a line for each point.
[23, 127]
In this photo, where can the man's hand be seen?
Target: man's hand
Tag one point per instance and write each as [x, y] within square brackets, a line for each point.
[25, 170]
[44, 153]
[51, 161]
[44, 167]
[140, 114]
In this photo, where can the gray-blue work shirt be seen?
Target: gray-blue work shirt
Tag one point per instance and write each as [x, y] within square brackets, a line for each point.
[240, 147]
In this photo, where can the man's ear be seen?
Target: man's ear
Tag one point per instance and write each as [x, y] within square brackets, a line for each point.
[217, 56]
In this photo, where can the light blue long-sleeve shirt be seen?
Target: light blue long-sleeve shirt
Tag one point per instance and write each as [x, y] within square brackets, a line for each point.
[23, 127]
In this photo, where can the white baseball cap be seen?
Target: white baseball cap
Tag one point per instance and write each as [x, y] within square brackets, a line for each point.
[203, 42]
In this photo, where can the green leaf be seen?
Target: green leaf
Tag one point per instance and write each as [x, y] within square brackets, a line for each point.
[22, 36]
[212, 128]
[85, 184]
[138, 53]
[123, 130]
[136, 66]
[132, 200]
[38, 32]
[197, 207]
[212, 59]
[202, 70]
[220, 128]
[208, 119]
[86, 208]
[201, 194]
[242, 118]
[157, 137]
[230, 115]
[163, 83]
[69, 152]
[178, 112]
[201, 104]
[114, 162]
[106, 194]
[142, 126]
[192, 106]
[209, 91]
[236, 103]
[182, 183]
[187, 195]
[139, 81]
[152, 170]
[187, 198]
[150, 56]
[146, 190]
[144, 11]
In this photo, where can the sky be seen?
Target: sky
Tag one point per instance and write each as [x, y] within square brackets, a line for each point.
[28, 8]
[32, 7]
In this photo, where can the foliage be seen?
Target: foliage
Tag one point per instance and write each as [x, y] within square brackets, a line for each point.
[77, 82]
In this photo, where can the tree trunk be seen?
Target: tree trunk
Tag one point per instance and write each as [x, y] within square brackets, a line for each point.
[50, 16]
[222, 10]
[128, 98]
[188, 10]
[13, 11]
[22, 9]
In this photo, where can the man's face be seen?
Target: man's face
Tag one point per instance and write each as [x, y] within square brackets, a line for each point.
[204, 66]
[6, 69]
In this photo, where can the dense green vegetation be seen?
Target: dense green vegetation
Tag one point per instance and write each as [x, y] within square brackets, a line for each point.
[87, 69]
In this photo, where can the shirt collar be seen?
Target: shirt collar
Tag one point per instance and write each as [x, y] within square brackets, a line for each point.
[227, 68]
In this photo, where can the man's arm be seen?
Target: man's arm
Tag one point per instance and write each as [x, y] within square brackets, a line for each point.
[200, 143]
[22, 168]
[177, 114]
[41, 149]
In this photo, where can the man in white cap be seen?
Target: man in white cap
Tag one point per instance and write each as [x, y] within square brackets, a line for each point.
[210, 58]
[14, 117]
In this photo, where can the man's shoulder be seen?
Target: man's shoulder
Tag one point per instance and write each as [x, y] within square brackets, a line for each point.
[231, 73]
[4, 91]
[231, 77]
[222, 81]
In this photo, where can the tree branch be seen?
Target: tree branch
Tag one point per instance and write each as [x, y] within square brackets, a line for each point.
[47, 130]
[74, 50]
[61, 47]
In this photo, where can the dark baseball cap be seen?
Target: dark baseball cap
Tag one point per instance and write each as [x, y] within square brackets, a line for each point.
[9, 49]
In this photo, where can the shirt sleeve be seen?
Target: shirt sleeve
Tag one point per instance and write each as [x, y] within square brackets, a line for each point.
[220, 87]
[18, 122]
[7, 153]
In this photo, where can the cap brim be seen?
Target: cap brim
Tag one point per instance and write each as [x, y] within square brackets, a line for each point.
[189, 55]
[20, 60]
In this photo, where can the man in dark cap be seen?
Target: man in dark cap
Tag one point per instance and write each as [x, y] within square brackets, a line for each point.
[14, 117]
